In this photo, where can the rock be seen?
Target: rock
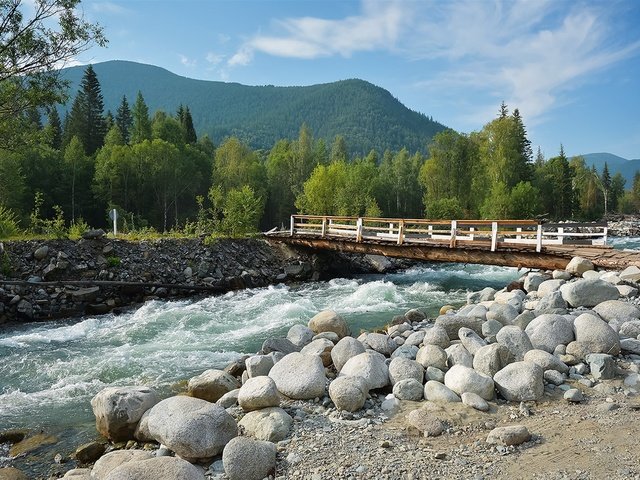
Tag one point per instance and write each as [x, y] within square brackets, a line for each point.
[630, 329]
[154, 468]
[408, 389]
[331, 336]
[329, 321]
[549, 286]
[405, 351]
[554, 377]
[520, 382]
[516, 341]
[446, 308]
[93, 234]
[89, 452]
[348, 393]
[300, 335]
[402, 368]
[118, 410]
[524, 319]
[596, 335]
[191, 427]
[41, 252]
[321, 347]
[533, 281]
[381, 343]
[627, 291]
[247, 459]
[611, 277]
[491, 359]
[395, 330]
[548, 331]
[212, 384]
[551, 303]
[76, 474]
[300, 377]
[414, 315]
[433, 373]
[546, 361]
[632, 380]
[474, 400]
[561, 275]
[617, 311]
[484, 295]
[592, 274]
[453, 323]
[228, 399]
[425, 422]
[345, 349]
[578, 265]
[510, 435]
[390, 405]
[437, 392]
[490, 329]
[471, 340]
[601, 366]
[281, 345]
[257, 393]
[258, 365]
[588, 293]
[502, 312]
[462, 379]
[269, 424]
[415, 338]
[630, 274]
[432, 356]
[458, 355]
[630, 345]
[371, 367]
[476, 311]
[105, 464]
[436, 335]
[573, 395]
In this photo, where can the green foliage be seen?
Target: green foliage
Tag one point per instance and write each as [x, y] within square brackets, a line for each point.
[77, 229]
[49, 227]
[242, 212]
[113, 262]
[524, 201]
[8, 223]
[444, 208]
[5, 265]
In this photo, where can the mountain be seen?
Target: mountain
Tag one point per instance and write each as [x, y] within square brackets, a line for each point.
[616, 164]
[366, 115]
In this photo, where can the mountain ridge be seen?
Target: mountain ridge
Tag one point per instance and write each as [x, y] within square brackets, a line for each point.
[616, 164]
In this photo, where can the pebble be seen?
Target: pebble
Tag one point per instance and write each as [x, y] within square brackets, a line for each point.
[574, 395]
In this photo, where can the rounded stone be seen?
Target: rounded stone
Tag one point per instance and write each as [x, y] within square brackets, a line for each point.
[269, 424]
[300, 335]
[155, 468]
[436, 335]
[212, 384]
[516, 341]
[461, 379]
[437, 392]
[329, 321]
[403, 368]
[345, 349]
[257, 393]
[510, 435]
[299, 376]
[432, 356]
[348, 393]
[475, 401]
[408, 389]
[425, 422]
[246, 459]
[548, 331]
[520, 382]
[596, 335]
[588, 292]
[371, 367]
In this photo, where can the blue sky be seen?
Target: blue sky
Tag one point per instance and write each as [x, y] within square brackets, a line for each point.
[571, 67]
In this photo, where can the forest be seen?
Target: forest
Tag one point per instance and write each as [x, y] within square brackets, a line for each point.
[69, 172]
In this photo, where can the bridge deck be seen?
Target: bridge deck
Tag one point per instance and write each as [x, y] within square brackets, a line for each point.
[505, 243]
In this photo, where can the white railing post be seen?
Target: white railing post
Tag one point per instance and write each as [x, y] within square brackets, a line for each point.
[471, 235]
[390, 228]
[561, 235]
[324, 226]
[494, 236]
[430, 230]
[400, 232]
[359, 230]
[518, 230]
[604, 238]
[454, 226]
[293, 228]
[539, 239]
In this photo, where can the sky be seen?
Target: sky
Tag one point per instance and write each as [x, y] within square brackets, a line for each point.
[572, 68]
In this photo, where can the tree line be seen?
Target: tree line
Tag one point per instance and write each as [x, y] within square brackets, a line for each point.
[158, 174]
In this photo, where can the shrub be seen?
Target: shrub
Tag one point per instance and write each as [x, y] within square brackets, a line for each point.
[8, 223]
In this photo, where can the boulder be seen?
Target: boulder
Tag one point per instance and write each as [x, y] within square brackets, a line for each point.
[631, 345]
[381, 343]
[453, 323]
[485, 295]
[76, 474]
[611, 277]
[118, 410]
[471, 340]
[258, 365]
[490, 329]
[155, 468]
[630, 329]
[601, 366]
[554, 377]
[403, 368]
[474, 400]
[578, 265]
[462, 379]
[432, 356]
[617, 311]
[573, 395]
[510, 435]
[345, 349]
[415, 338]
[546, 361]
[425, 422]
[191, 427]
[299, 376]
[588, 293]
[548, 331]
[247, 459]
[89, 452]
[405, 351]
[437, 392]
[596, 335]
[551, 303]
[300, 335]
[269, 424]
[371, 367]
[227, 400]
[533, 281]
[502, 312]
[321, 347]
[524, 319]
[433, 373]
[549, 286]
[210, 385]
[491, 359]
[436, 335]
[277, 344]
[329, 321]
[630, 274]
[561, 275]
[257, 393]
[408, 389]
[516, 341]
[627, 291]
[348, 393]
[520, 382]
[458, 355]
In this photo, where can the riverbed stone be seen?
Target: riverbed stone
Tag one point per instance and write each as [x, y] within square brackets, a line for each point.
[617, 311]
[278, 344]
[105, 464]
[490, 329]
[630, 274]
[546, 360]
[436, 335]
[630, 329]
[533, 281]
[258, 365]
[348, 392]
[329, 321]
[405, 351]
[75, 474]
[381, 343]
[415, 338]
[370, 366]
[549, 286]
[227, 400]
[408, 389]
[509, 435]
[502, 312]
[415, 315]
[491, 359]
[191, 427]
[578, 265]
[437, 392]
[630, 345]
[271, 424]
[321, 347]
[551, 303]
[41, 252]
[258, 392]
[484, 295]
[453, 323]
[457, 354]
[520, 382]
[118, 410]
[596, 334]
[548, 331]
[475, 401]
[300, 377]
[471, 340]
[627, 291]
[248, 459]
[424, 421]
[211, 384]
[516, 340]
[155, 468]
[554, 377]
[433, 373]
[561, 275]
[89, 452]
[573, 395]
[300, 335]
[601, 366]
[345, 349]
[462, 379]
[403, 368]
[432, 356]
[588, 292]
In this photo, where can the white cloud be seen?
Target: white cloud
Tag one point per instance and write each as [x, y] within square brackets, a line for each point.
[242, 57]
[187, 62]
[214, 58]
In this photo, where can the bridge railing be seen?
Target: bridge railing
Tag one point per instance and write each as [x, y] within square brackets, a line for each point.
[411, 231]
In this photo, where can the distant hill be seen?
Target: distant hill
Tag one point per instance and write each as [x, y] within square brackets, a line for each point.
[616, 164]
[366, 115]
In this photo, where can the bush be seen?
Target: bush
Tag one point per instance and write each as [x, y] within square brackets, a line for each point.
[445, 208]
[8, 223]
[77, 229]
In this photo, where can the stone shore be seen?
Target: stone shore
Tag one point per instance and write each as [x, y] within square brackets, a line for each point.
[550, 363]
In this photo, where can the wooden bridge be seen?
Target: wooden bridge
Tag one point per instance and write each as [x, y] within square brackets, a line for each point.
[515, 243]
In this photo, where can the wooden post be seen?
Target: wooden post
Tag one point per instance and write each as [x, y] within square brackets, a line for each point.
[518, 230]
[604, 239]
[452, 242]
[561, 237]
[471, 235]
[494, 236]
[324, 226]
[293, 228]
[400, 232]
[359, 230]
[430, 230]
[539, 239]
[390, 228]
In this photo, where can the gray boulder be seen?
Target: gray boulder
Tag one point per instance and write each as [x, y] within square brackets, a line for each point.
[408, 389]
[345, 349]
[300, 335]
[227, 400]
[630, 274]
[381, 343]
[516, 341]
[578, 265]
[484, 295]
[533, 281]
[471, 340]
[490, 329]
[520, 382]
[433, 373]
[548, 331]
[491, 359]
[474, 400]
[630, 345]
[415, 338]
[257, 393]
[561, 275]
[348, 393]
[425, 422]
[321, 347]
[258, 365]
[588, 292]
[617, 311]
[502, 312]
[551, 303]
[437, 392]
[549, 286]
[546, 361]
[554, 377]
[169, 468]
[436, 335]
[405, 351]
[191, 427]
[118, 410]
[210, 385]
[596, 335]
[105, 464]
[403, 368]
[601, 366]
[278, 345]
[329, 321]
[247, 459]
[269, 424]
[630, 329]
[510, 435]
[371, 367]
[453, 323]
[432, 356]
[300, 377]
[462, 379]
[458, 355]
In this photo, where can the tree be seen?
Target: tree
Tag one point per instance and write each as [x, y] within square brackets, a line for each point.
[339, 150]
[605, 186]
[124, 119]
[76, 162]
[236, 165]
[33, 47]
[141, 129]
[242, 212]
[54, 130]
[186, 121]
[617, 190]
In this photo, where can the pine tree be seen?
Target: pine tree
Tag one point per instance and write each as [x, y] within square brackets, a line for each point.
[124, 120]
[109, 121]
[187, 124]
[54, 129]
[504, 111]
[539, 161]
[524, 148]
[141, 129]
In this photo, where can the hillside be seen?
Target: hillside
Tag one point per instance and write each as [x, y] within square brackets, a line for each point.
[616, 164]
[366, 115]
